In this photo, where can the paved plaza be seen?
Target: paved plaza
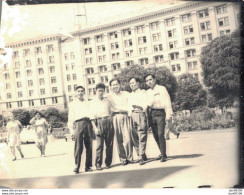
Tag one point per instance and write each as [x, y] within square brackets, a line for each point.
[196, 158]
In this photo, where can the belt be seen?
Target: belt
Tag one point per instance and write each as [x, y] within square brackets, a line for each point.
[119, 113]
[159, 109]
[138, 111]
[103, 118]
[82, 119]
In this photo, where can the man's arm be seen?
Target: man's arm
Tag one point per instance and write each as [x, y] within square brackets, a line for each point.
[71, 119]
[168, 106]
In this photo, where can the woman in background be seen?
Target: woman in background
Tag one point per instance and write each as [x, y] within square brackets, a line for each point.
[14, 128]
[41, 128]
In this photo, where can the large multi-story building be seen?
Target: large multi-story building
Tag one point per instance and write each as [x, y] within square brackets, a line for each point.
[46, 70]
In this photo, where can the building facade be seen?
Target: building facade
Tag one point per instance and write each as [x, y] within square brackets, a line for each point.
[170, 37]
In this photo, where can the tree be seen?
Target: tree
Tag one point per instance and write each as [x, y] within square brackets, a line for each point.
[190, 94]
[163, 75]
[22, 115]
[220, 61]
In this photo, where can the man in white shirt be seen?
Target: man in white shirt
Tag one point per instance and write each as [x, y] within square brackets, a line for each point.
[103, 126]
[119, 106]
[137, 110]
[160, 113]
[80, 126]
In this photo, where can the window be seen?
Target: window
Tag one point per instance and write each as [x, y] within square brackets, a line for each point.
[19, 84]
[113, 35]
[156, 36]
[75, 85]
[186, 18]
[158, 59]
[89, 70]
[15, 54]
[221, 9]
[142, 50]
[206, 38]
[100, 38]
[72, 66]
[102, 58]
[41, 81]
[29, 72]
[19, 103]
[224, 32]
[176, 68]
[17, 74]
[203, 13]
[115, 56]
[9, 96]
[142, 40]
[8, 105]
[91, 81]
[196, 76]
[192, 65]
[6, 76]
[30, 83]
[143, 61]
[68, 78]
[190, 41]
[90, 91]
[5, 66]
[54, 100]
[69, 88]
[66, 56]
[128, 53]
[116, 66]
[72, 55]
[40, 71]
[107, 89]
[43, 101]
[157, 48]
[8, 86]
[86, 41]
[70, 98]
[103, 68]
[190, 53]
[74, 77]
[20, 94]
[51, 59]
[173, 44]
[26, 52]
[104, 79]
[66, 66]
[205, 25]
[115, 45]
[38, 50]
[52, 69]
[54, 90]
[42, 91]
[140, 29]
[39, 61]
[223, 21]
[171, 33]
[49, 48]
[101, 48]
[88, 51]
[16, 65]
[188, 29]
[130, 62]
[154, 26]
[31, 103]
[53, 79]
[88, 60]
[128, 43]
[174, 56]
[31, 92]
[126, 32]
[170, 21]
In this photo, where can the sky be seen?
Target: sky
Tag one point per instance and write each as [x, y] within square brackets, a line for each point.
[23, 22]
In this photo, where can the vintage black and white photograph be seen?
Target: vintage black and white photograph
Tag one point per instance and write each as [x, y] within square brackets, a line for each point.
[120, 94]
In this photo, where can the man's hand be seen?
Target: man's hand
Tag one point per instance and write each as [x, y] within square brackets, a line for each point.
[97, 131]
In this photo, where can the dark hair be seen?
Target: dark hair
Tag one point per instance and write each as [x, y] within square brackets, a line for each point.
[112, 80]
[149, 74]
[100, 85]
[79, 86]
[38, 112]
[136, 78]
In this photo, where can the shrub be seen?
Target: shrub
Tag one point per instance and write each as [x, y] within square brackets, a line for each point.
[22, 115]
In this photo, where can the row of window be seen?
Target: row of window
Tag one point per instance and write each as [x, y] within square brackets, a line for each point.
[92, 91]
[37, 50]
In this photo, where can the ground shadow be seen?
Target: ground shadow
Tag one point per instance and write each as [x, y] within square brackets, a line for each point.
[184, 156]
[118, 179]
[47, 156]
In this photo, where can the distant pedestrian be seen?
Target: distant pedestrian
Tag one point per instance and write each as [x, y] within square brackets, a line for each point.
[103, 126]
[41, 128]
[173, 127]
[14, 128]
[160, 113]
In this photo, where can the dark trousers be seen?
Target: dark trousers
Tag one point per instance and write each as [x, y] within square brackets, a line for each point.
[139, 132]
[158, 129]
[107, 136]
[82, 133]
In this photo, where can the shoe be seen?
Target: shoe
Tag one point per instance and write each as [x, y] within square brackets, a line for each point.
[144, 157]
[130, 161]
[163, 159]
[88, 169]
[108, 166]
[14, 159]
[99, 168]
[167, 139]
[159, 157]
[76, 171]
[141, 162]
[178, 135]
[22, 155]
[124, 162]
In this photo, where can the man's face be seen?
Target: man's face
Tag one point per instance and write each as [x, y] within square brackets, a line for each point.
[79, 93]
[150, 81]
[100, 92]
[115, 86]
[134, 85]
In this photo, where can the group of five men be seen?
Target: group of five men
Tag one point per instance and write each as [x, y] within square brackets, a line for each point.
[125, 115]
